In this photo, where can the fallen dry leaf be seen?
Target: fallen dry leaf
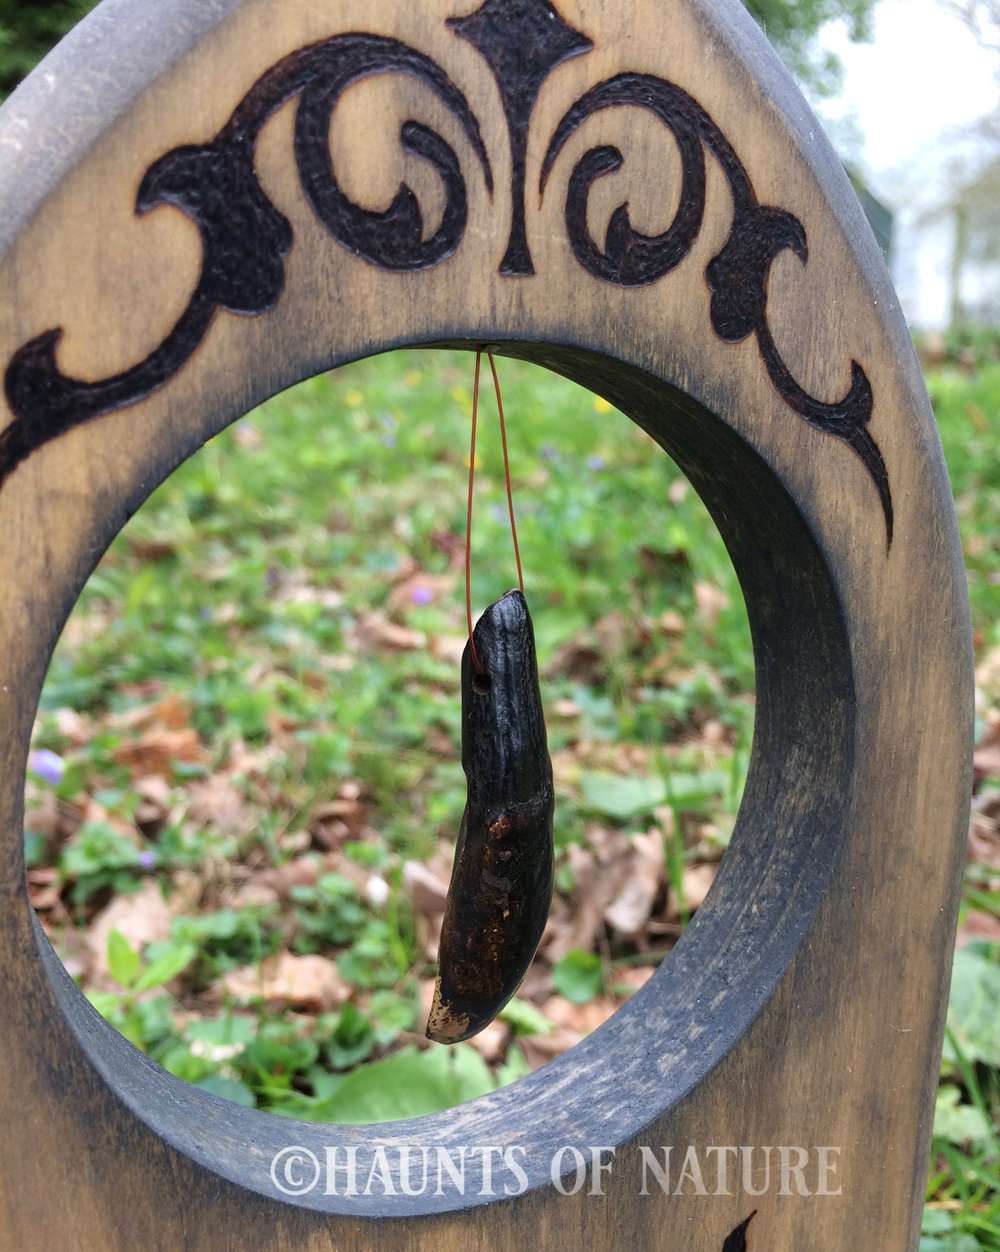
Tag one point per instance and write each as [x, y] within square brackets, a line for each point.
[186, 889]
[301, 871]
[331, 824]
[449, 648]
[44, 888]
[572, 1023]
[578, 659]
[426, 994]
[72, 949]
[666, 820]
[672, 623]
[157, 750]
[614, 632]
[696, 881]
[306, 982]
[74, 728]
[281, 735]
[582, 1019]
[567, 708]
[711, 602]
[984, 843]
[608, 844]
[428, 891]
[986, 760]
[153, 549]
[661, 564]
[142, 917]
[451, 545]
[375, 633]
[171, 711]
[597, 884]
[43, 817]
[630, 910]
[143, 691]
[254, 894]
[540, 1049]
[217, 802]
[156, 797]
[491, 1042]
[634, 977]
[978, 925]
[714, 736]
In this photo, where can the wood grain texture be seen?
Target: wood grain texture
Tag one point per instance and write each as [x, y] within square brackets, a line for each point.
[206, 202]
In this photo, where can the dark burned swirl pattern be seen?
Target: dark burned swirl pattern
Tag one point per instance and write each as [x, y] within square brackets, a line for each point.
[245, 238]
[737, 276]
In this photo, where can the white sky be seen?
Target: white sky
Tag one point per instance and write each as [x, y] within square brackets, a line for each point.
[924, 76]
[911, 94]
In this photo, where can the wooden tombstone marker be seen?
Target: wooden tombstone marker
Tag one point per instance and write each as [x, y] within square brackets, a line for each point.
[208, 200]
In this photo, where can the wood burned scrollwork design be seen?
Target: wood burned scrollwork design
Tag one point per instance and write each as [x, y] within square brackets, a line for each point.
[245, 237]
[736, 276]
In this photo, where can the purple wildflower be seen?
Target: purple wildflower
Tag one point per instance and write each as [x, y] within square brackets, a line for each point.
[147, 860]
[48, 766]
[422, 595]
[595, 462]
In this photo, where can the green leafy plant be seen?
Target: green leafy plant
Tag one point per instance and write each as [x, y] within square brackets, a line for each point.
[144, 1021]
[378, 957]
[99, 856]
[329, 914]
[966, 1139]
[227, 939]
[579, 976]
[409, 1083]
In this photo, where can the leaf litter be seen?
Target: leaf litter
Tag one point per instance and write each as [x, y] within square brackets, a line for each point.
[259, 756]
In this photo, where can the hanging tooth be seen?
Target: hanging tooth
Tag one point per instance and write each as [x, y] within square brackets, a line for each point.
[501, 883]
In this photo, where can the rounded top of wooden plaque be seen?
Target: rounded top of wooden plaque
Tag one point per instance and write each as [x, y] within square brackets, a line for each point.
[207, 203]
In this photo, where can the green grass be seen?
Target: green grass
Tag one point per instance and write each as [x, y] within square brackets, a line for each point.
[964, 1186]
[261, 605]
[280, 623]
